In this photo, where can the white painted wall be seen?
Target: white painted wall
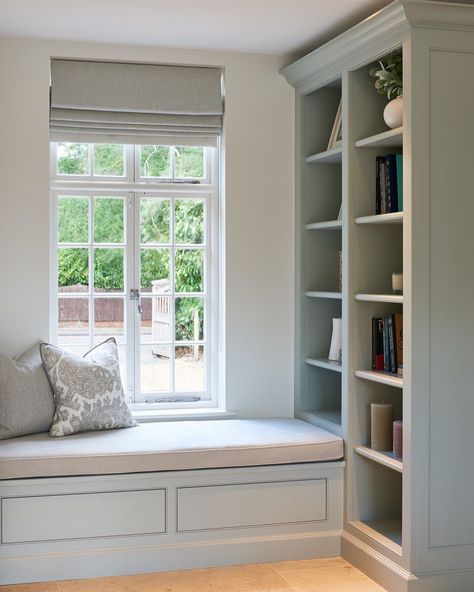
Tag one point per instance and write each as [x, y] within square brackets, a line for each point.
[259, 209]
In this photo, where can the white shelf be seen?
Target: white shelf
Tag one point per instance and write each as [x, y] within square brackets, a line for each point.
[324, 363]
[321, 294]
[381, 377]
[328, 419]
[333, 156]
[388, 298]
[389, 139]
[386, 532]
[393, 218]
[329, 225]
[387, 459]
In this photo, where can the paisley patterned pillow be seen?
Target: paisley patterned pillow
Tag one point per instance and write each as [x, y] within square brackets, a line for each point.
[88, 391]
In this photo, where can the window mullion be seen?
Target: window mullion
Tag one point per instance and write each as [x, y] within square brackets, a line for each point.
[91, 270]
[172, 291]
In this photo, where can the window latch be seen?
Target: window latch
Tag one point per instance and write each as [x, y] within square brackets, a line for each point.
[135, 295]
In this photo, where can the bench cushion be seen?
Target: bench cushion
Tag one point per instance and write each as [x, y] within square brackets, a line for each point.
[169, 446]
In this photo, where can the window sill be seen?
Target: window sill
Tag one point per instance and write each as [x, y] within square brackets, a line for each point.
[151, 415]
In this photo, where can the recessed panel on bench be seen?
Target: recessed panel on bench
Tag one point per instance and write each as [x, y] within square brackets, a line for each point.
[76, 516]
[251, 504]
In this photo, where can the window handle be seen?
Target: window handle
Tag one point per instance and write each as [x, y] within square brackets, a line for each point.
[135, 295]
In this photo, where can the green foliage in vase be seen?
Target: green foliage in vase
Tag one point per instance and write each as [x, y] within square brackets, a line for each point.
[389, 76]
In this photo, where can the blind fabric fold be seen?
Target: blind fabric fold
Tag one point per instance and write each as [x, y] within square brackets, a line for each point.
[109, 102]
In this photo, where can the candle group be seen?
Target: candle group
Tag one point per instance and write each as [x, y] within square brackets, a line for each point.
[381, 432]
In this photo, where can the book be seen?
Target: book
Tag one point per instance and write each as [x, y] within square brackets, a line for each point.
[398, 337]
[386, 346]
[377, 344]
[391, 344]
[399, 158]
[383, 186]
[391, 183]
[378, 192]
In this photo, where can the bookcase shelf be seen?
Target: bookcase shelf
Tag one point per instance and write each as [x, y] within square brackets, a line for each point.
[329, 225]
[387, 459]
[322, 294]
[390, 139]
[393, 218]
[380, 377]
[388, 298]
[324, 363]
[333, 156]
[385, 532]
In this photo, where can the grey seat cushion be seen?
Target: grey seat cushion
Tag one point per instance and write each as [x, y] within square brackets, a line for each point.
[26, 398]
[170, 446]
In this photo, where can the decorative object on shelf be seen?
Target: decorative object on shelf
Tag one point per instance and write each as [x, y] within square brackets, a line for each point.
[389, 82]
[335, 351]
[339, 261]
[335, 141]
[381, 426]
[397, 283]
[398, 438]
[387, 344]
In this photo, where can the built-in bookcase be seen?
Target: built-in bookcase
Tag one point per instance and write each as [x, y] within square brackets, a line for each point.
[319, 243]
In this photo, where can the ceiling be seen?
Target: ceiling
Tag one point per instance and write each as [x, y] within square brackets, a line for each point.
[261, 26]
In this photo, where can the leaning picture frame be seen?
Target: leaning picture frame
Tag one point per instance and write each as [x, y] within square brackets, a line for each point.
[335, 140]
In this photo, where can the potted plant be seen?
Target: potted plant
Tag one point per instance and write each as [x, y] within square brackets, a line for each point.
[389, 82]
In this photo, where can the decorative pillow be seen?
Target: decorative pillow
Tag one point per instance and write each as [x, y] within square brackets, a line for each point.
[26, 398]
[88, 391]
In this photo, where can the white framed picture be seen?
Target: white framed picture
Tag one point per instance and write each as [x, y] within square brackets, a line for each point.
[335, 141]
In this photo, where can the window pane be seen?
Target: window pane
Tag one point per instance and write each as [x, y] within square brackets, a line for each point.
[108, 160]
[155, 269]
[109, 319]
[189, 373]
[108, 220]
[189, 270]
[189, 221]
[155, 161]
[154, 220]
[73, 159]
[73, 220]
[155, 325]
[108, 270]
[73, 321]
[188, 162]
[73, 270]
[189, 315]
[155, 368]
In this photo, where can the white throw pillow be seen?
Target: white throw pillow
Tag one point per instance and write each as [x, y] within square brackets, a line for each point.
[88, 391]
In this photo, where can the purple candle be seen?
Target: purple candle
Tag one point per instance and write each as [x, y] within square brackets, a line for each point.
[398, 438]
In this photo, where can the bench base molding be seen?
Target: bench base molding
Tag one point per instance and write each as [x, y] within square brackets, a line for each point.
[55, 543]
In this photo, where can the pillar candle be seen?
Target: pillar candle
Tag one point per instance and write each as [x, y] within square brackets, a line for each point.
[397, 283]
[398, 438]
[381, 429]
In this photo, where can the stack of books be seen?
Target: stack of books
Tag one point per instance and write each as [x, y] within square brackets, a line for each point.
[387, 344]
[389, 188]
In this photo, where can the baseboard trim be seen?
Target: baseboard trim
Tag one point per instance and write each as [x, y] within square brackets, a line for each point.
[133, 559]
[382, 570]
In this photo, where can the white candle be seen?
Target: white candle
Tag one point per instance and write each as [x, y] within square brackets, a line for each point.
[381, 427]
[397, 283]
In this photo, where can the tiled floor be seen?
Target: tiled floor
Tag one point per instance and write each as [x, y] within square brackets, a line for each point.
[312, 575]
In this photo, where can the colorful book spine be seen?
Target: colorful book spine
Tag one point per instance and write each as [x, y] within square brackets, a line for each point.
[399, 158]
[378, 192]
[392, 345]
[398, 336]
[391, 182]
[386, 346]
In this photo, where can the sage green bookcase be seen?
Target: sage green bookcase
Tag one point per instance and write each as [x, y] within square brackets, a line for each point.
[408, 523]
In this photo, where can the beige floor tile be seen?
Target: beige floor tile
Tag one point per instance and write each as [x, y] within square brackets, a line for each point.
[283, 566]
[41, 587]
[335, 578]
[246, 578]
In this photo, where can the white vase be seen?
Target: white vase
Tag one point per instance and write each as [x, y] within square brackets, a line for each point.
[393, 113]
[336, 340]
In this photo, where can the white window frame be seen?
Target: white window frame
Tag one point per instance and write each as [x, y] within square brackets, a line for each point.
[132, 187]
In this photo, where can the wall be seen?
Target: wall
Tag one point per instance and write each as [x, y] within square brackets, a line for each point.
[259, 209]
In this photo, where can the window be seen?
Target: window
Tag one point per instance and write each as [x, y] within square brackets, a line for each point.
[135, 257]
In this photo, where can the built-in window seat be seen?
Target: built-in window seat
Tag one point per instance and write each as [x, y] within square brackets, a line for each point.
[169, 495]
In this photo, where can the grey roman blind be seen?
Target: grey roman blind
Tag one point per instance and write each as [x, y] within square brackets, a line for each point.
[121, 103]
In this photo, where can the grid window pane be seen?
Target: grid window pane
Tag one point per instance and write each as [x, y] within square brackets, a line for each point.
[73, 220]
[108, 220]
[154, 220]
[73, 159]
[155, 368]
[73, 321]
[155, 270]
[155, 161]
[109, 319]
[189, 315]
[189, 369]
[189, 221]
[108, 270]
[109, 160]
[188, 162]
[73, 270]
[156, 320]
[189, 265]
